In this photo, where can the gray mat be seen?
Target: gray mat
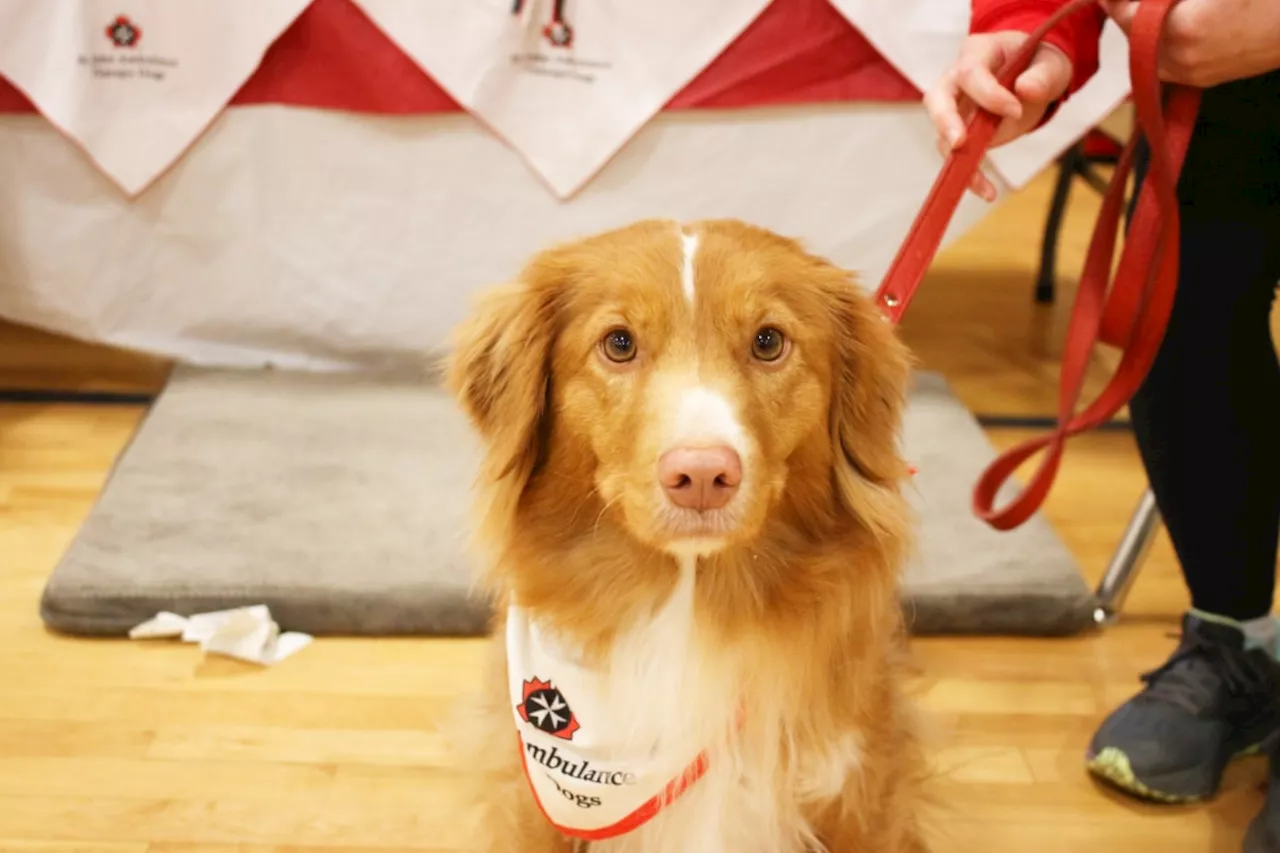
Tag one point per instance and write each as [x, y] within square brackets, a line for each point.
[342, 503]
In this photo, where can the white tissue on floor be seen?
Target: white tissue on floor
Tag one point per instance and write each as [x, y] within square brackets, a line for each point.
[244, 633]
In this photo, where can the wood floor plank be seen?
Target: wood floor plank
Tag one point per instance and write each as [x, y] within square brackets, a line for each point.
[300, 710]
[187, 778]
[306, 820]
[254, 744]
[29, 845]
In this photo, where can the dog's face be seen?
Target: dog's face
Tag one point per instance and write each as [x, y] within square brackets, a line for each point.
[686, 385]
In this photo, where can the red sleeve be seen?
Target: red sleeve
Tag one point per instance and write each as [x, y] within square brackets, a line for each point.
[1077, 35]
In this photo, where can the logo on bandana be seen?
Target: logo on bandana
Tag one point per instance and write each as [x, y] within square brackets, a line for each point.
[123, 32]
[545, 707]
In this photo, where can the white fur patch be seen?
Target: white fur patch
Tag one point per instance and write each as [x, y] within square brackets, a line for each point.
[705, 417]
[690, 243]
[649, 667]
[825, 776]
[677, 695]
[658, 676]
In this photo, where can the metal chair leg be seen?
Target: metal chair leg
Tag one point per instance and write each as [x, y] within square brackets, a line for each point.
[1069, 165]
[1127, 560]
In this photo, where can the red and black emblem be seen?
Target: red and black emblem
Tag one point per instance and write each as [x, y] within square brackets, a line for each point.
[545, 707]
[124, 32]
[558, 32]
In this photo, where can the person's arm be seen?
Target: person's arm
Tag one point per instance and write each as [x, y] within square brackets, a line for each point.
[1077, 36]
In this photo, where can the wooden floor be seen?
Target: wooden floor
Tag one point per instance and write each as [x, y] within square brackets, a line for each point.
[116, 746]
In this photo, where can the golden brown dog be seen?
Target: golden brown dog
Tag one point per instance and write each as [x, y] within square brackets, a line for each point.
[691, 504]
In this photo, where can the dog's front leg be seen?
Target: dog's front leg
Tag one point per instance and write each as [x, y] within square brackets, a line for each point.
[510, 821]
[507, 817]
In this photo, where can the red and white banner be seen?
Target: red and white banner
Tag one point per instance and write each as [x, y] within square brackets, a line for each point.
[356, 209]
[564, 83]
[135, 82]
[564, 87]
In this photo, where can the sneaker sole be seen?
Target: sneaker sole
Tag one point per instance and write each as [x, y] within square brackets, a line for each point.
[1112, 766]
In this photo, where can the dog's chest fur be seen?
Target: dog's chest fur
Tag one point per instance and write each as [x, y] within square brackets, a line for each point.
[669, 690]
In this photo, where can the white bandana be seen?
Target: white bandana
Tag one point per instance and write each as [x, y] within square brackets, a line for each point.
[136, 82]
[564, 84]
[586, 785]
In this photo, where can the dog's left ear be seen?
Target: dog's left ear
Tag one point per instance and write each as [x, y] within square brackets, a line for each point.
[872, 369]
[499, 371]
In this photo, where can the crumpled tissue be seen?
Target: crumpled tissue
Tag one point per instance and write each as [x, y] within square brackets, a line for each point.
[245, 633]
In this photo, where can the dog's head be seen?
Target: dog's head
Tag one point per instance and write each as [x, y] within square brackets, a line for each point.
[685, 386]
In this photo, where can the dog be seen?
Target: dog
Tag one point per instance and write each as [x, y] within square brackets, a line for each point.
[693, 524]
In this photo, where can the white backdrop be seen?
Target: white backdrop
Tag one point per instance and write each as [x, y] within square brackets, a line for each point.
[318, 239]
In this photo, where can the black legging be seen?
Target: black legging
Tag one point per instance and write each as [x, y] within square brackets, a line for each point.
[1207, 419]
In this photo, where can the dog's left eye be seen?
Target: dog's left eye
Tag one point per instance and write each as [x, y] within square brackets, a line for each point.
[769, 344]
[618, 346]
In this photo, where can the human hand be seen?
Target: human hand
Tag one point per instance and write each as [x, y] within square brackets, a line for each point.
[1207, 42]
[972, 80]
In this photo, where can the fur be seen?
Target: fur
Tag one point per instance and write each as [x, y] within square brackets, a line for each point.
[785, 603]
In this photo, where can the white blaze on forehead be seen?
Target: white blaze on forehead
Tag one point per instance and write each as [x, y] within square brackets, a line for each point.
[690, 245]
[704, 417]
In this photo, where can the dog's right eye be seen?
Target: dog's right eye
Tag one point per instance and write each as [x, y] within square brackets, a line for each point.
[618, 346]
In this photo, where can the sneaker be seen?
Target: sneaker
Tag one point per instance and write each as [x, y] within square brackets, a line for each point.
[1211, 702]
[1264, 833]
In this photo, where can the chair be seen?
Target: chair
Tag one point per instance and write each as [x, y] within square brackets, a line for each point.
[1081, 160]
[1127, 560]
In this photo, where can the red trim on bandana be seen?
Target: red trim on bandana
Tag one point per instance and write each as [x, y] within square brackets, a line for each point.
[637, 818]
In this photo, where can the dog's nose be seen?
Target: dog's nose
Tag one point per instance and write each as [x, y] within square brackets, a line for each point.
[700, 478]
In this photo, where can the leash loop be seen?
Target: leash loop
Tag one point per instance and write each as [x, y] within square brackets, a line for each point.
[1131, 312]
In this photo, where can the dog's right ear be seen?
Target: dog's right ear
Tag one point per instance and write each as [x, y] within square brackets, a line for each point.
[499, 371]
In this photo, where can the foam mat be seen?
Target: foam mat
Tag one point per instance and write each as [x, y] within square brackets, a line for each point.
[342, 502]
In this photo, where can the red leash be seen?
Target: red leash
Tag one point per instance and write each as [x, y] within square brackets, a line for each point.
[1134, 314]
